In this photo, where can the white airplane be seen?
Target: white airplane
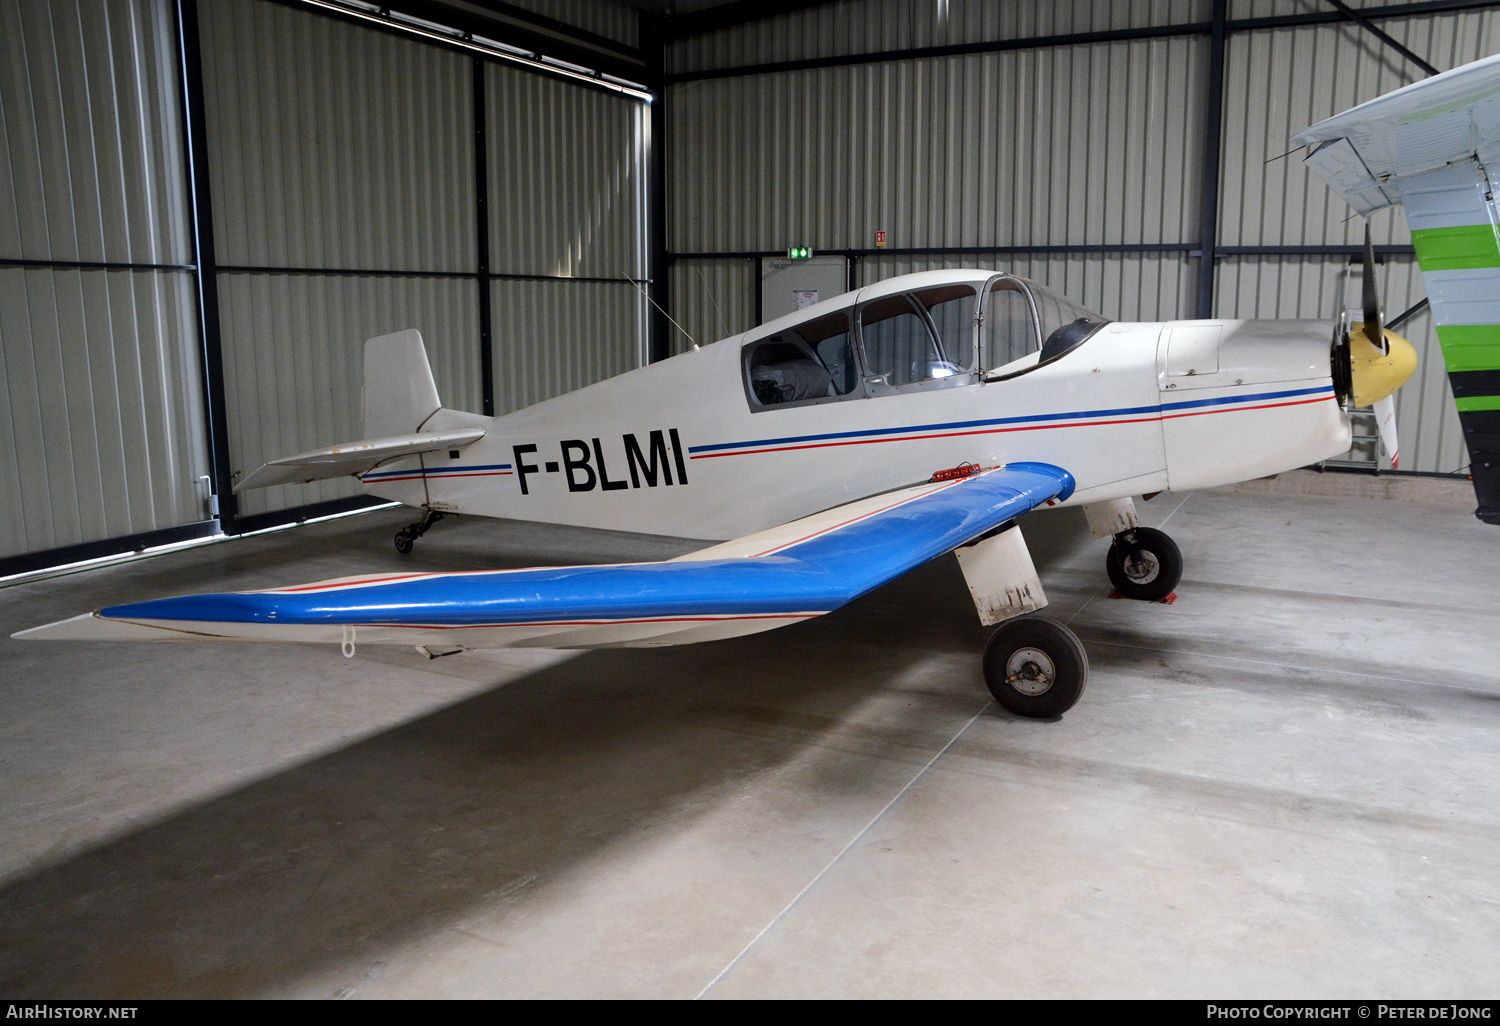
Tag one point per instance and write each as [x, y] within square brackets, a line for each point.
[841, 446]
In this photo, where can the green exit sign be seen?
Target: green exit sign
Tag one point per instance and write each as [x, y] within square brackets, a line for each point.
[798, 253]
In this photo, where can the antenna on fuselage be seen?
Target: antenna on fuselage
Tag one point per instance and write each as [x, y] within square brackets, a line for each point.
[723, 324]
[668, 316]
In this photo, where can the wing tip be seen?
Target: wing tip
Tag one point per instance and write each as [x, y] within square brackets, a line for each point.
[90, 627]
[58, 630]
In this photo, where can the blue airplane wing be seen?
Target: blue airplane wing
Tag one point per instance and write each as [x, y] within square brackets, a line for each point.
[797, 571]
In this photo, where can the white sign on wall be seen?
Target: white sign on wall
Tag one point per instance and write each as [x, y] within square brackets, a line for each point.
[787, 286]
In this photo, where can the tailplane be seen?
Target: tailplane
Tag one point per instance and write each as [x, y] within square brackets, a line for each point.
[400, 399]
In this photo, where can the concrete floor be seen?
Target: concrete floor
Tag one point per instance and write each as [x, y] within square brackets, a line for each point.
[1287, 784]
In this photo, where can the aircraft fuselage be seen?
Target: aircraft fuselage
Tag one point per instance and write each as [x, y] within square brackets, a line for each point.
[680, 447]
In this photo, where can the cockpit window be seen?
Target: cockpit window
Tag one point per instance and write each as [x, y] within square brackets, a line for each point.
[920, 337]
[951, 309]
[809, 362]
[1064, 323]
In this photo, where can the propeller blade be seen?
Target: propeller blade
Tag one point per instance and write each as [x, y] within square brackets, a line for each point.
[1385, 418]
[1371, 295]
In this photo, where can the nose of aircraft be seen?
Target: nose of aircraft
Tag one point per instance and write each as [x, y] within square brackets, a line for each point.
[1374, 371]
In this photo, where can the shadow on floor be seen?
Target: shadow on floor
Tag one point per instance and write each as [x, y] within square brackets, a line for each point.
[406, 830]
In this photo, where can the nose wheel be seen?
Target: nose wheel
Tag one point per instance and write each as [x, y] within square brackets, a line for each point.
[406, 538]
[1035, 667]
[1144, 564]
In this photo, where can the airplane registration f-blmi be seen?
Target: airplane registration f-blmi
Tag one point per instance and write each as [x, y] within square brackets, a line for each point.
[853, 440]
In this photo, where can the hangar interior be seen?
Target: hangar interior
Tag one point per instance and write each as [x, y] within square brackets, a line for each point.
[1283, 784]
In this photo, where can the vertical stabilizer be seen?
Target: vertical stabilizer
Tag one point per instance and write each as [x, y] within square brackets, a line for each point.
[400, 394]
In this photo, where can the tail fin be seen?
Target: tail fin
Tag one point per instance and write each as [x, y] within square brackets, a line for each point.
[400, 395]
[1434, 147]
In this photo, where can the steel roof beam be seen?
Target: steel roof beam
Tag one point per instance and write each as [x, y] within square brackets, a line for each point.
[1364, 22]
[1199, 28]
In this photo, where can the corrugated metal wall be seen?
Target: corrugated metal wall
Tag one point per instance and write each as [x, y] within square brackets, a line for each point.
[568, 189]
[712, 299]
[1076, 144]
[554, 336]
[617, 21]
[331, 146]
[1001, 149]
[567, 199]
[1060, 145]
[101, 427]
[342, 170]
[335, 147]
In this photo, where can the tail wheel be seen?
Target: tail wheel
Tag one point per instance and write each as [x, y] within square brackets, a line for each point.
[1035, 667]
[1144, 564]
[404, 541]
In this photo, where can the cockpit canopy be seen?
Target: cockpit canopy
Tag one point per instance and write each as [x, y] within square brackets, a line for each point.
[936, 334]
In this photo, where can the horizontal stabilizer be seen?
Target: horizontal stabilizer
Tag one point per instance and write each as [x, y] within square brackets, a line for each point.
[777, 577]
[355, 457]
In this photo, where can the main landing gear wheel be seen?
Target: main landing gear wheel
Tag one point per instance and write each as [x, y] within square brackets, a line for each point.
[1035, 667]
[1144, 564]
[407, 537]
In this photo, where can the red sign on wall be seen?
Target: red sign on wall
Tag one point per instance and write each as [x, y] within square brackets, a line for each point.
[880, 239]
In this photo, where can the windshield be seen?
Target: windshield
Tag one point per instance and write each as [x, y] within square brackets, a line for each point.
[1064, 323]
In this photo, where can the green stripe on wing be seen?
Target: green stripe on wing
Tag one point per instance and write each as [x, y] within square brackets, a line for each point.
[1470, 347]
[1457, 249]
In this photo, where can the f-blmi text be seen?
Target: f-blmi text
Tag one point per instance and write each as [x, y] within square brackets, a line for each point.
[586, 465]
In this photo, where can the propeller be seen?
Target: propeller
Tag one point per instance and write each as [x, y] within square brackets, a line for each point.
[1385, 409]
[1379, 361]
[1385, 421]
[1370, 297]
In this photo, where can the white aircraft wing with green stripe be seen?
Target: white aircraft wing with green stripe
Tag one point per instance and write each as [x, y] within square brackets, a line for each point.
[1434, 147]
